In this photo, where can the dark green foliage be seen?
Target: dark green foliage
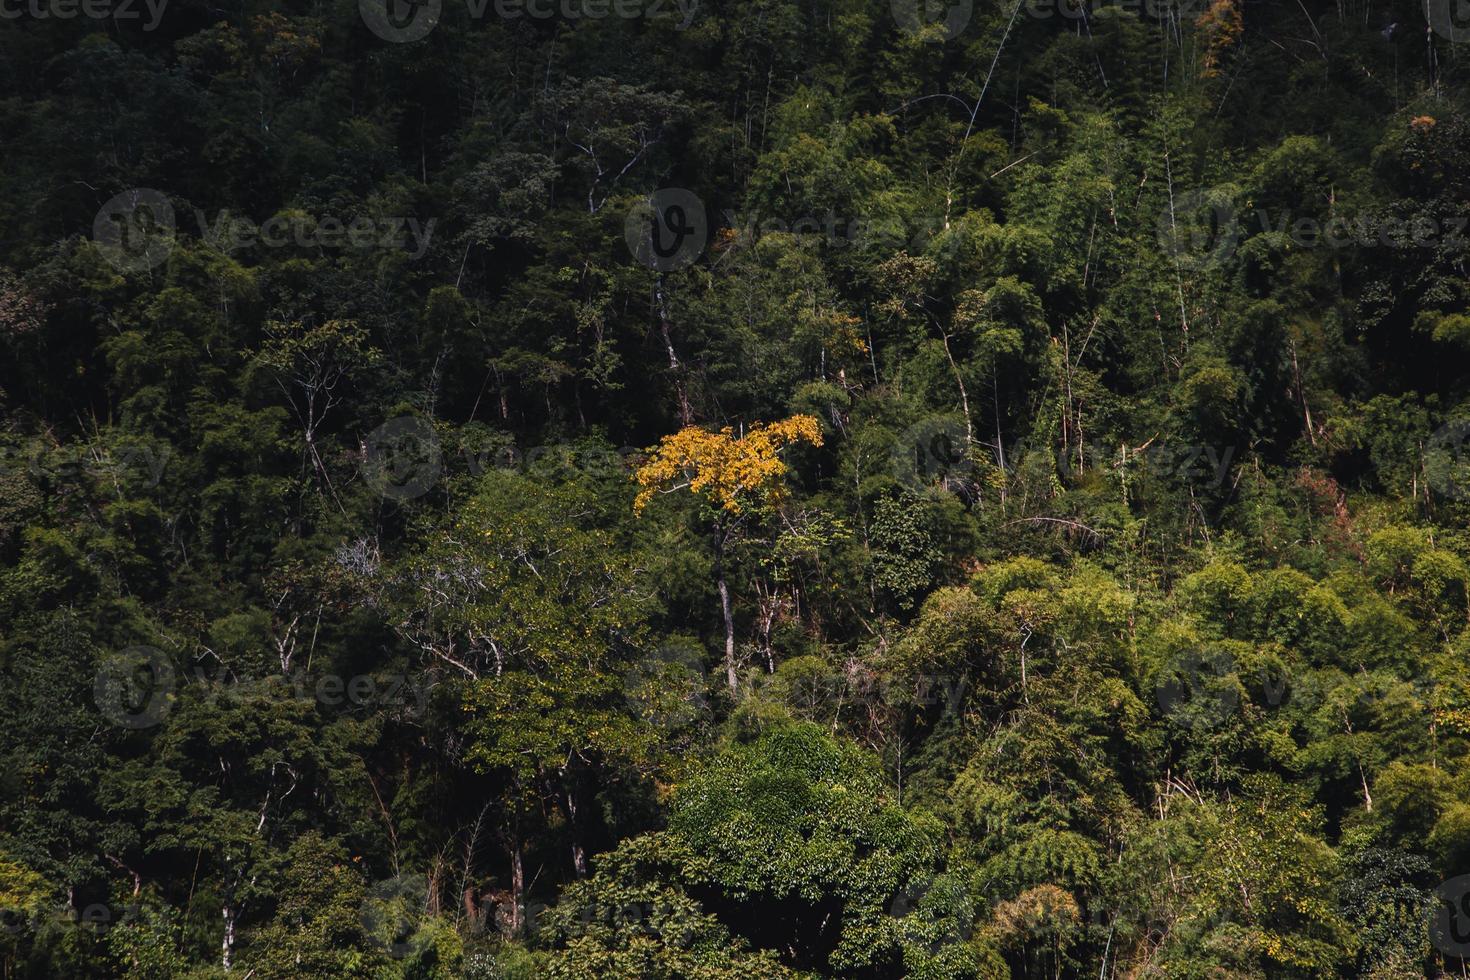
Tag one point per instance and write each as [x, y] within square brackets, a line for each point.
[1117, 626]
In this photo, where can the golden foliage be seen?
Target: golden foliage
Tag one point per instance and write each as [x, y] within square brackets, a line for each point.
[729, 470]
[1221, 26]
[1422, 124]
[841, 334]
[1045, 910]
[290, 44]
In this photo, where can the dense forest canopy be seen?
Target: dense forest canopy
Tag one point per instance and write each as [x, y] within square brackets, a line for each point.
[706, 489]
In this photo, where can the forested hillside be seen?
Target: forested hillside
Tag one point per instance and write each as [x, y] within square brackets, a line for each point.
[734, 489]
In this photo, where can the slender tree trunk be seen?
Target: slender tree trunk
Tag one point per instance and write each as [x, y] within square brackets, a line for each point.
[1301, 393]
[471, 899]
[964, 395]
[517, 887]
[227, 946]
[686, 414]
[729, 634]
[726, 609]
[1178, 272]
[574, 827]
[579, 858]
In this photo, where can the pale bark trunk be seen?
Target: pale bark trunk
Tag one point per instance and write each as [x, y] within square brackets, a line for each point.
[725, 608]
[579, 853]
[686, 414]
[227, 946]
[517, 890]
[729, 634]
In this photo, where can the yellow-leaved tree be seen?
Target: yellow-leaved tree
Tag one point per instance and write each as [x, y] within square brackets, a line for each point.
[736, 474]
[1221, 25]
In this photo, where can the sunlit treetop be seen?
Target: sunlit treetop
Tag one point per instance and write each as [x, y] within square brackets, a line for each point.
[732, 471]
